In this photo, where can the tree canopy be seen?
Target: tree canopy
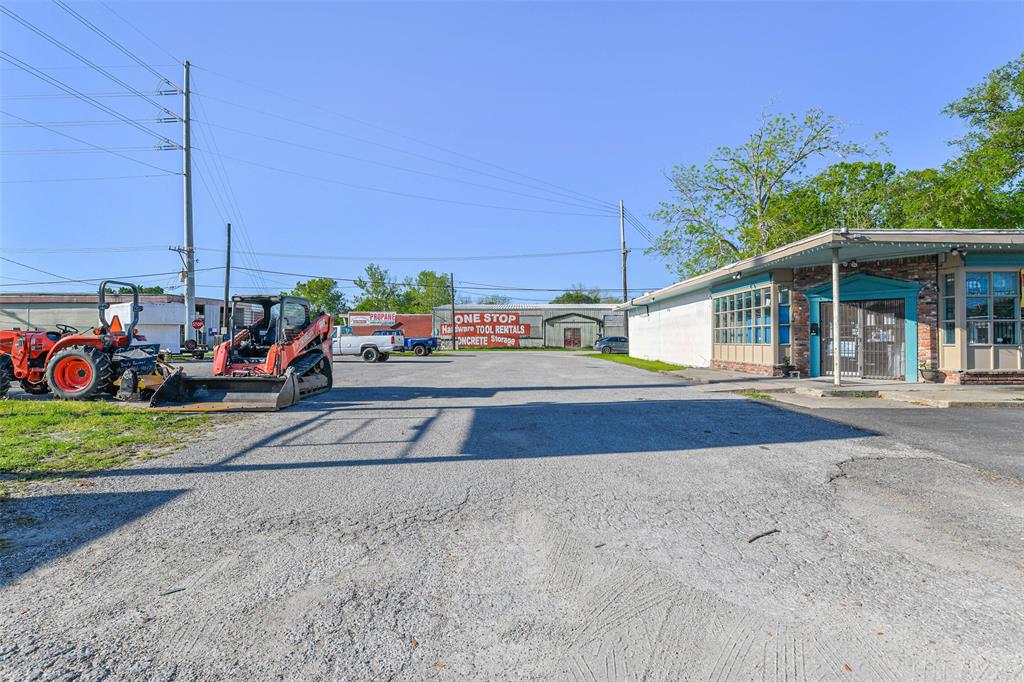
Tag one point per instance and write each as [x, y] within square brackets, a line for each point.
[323, 295]
[577, 293]
[379, 290]
[749, 199]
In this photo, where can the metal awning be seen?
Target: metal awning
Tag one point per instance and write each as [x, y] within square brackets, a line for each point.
[867, 245]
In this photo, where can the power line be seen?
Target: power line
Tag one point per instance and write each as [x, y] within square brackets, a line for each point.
[229, 192]
[408, 195]
[140, 32]
[411, 139]
[90, 144]
[77, 55]
[414, 259]
[93, 95]
[602, 205]
[95, 29]
[85, 98]
[399, 168]
[80, 179]
[29, 152]
[93, 280]
[75, 124]
[72, 67]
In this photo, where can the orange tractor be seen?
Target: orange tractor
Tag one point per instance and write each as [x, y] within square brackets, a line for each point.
[280, 357]
[75, 365]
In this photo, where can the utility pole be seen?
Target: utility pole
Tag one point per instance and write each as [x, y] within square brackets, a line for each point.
[625, 252]
[227, 323]
[451, 284]
[190, 248]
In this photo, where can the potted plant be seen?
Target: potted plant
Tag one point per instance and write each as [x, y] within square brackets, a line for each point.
[786, 367]
[931, 374]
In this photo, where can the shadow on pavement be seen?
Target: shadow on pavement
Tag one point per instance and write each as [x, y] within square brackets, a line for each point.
[35, 530]
[542, 430]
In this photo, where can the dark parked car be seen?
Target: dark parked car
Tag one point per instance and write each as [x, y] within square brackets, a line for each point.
[612, 344]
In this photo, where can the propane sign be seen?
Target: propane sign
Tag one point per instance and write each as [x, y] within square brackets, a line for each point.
[487, 330]
[372, 319]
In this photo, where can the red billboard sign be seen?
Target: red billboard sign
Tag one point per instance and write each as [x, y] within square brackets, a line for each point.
[486, 330]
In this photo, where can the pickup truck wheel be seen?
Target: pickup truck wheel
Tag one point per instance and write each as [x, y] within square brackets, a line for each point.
[420, 350]
[370, 354]
[383, 357]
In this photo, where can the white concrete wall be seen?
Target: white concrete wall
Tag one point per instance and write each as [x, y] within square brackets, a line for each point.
[676, 330]
[161, 322]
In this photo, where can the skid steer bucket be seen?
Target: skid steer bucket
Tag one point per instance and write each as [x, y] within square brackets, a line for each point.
[183, 393]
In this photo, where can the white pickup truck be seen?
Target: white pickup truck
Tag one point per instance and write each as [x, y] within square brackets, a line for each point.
[377, 348]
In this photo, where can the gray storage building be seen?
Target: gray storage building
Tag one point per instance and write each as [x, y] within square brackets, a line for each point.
[551, 325]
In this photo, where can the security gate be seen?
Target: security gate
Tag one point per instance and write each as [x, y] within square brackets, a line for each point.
[872, 343]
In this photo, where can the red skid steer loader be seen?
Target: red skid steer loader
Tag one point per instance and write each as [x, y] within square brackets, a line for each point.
[276, 360]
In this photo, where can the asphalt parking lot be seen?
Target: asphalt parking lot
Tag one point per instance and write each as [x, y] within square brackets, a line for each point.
[530, 515]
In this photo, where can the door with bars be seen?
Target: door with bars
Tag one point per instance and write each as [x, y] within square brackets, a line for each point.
[872, 341]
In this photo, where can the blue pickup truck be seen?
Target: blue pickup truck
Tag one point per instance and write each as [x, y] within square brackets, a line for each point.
[420, 346]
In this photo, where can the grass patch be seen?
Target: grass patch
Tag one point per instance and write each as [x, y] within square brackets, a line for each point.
[758, 395]
[649, 365]
[42, 439]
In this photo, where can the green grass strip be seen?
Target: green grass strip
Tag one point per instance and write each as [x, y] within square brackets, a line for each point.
[649, 365]
[54, 438]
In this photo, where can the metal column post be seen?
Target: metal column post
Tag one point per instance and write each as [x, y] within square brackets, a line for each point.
[836, 379]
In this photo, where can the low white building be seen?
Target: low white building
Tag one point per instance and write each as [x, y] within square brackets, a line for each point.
[673, 330]
[162, 319]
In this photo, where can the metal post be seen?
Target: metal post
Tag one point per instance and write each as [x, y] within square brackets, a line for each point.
[625, 251]
[835, 318]
[190, 251]
[451, 283]
[227, 323]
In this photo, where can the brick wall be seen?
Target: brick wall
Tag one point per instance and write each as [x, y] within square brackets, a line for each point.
[921, 270]
[747, 367]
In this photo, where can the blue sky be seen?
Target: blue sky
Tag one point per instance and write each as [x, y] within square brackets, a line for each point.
[536, 98]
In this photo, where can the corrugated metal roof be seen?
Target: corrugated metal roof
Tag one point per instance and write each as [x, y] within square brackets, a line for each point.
[852, 245]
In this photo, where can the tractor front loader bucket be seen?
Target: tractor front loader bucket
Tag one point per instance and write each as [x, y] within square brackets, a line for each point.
[183, 393]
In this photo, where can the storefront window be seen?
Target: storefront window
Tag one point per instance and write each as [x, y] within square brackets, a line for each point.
[949, 309]
[783, 315]
[743, 318]
[993, 308]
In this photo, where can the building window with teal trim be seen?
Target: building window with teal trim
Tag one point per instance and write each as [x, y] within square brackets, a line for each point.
[744, 317]
[783, 316]
[949, 309]
[993, 308]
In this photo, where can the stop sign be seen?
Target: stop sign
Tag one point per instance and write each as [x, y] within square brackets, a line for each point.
[197, 324]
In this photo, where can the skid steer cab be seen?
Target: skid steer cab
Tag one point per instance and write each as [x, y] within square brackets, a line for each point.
[79, 365]
[277, 354]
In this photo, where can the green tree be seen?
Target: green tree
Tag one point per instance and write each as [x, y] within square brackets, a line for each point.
[494, 299]
[155, 289]
[578, 294]
[323, 295]
[982, 187]
[378, 291]
[427, 291]
[857, 195]
[723, 210]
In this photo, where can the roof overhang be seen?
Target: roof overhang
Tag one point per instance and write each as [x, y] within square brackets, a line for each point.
[864, 245]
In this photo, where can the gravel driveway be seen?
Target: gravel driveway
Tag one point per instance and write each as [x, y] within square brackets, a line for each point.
[531, 515]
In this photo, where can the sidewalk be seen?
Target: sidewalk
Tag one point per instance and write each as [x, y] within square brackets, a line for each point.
[799, 391]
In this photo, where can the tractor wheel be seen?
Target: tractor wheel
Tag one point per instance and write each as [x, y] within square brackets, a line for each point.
[38, 388]
[6, 372]
[420, 350]
[370, 354]
[383, 357]
[79, 373]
